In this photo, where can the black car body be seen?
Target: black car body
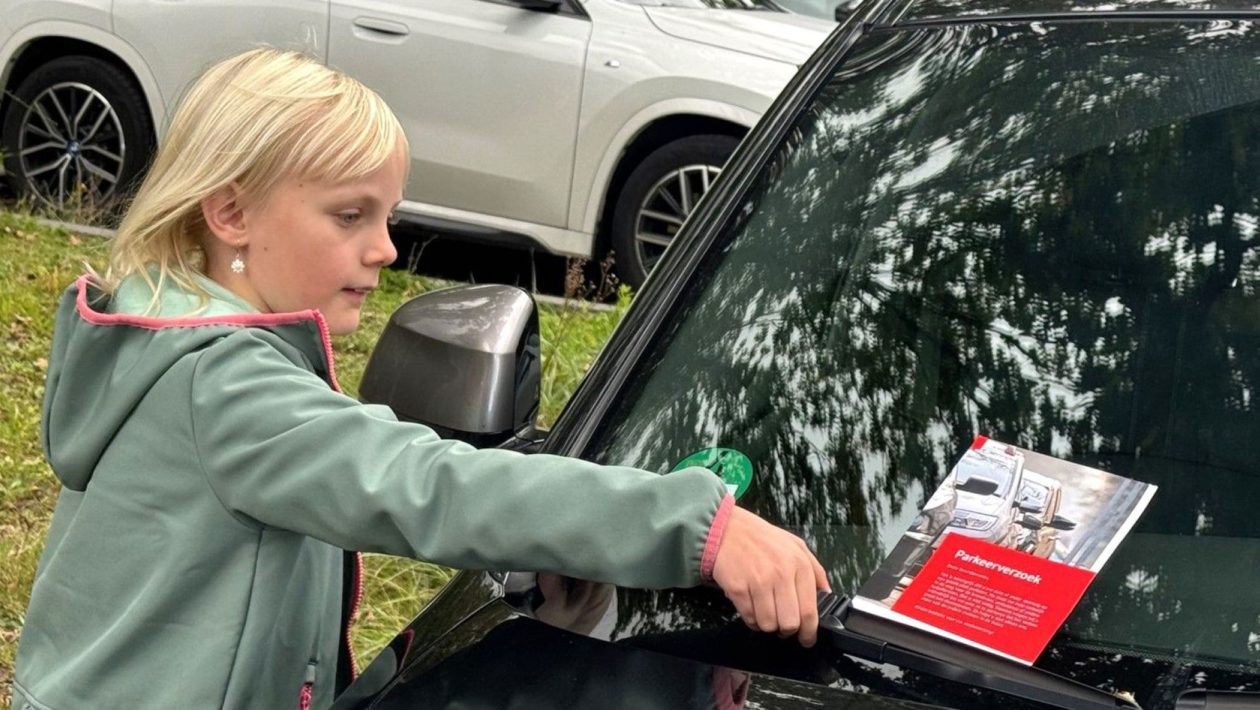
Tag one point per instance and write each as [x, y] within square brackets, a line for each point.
[1040, 224]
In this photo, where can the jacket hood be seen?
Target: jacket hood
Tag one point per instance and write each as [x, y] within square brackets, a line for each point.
[107, 356]
[778, 36]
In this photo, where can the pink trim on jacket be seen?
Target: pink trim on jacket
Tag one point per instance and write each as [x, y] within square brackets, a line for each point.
[354, 612]
[241, 319]
[714, 540]
[304, 697]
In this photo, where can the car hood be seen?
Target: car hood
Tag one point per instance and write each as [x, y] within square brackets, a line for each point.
[777, 36]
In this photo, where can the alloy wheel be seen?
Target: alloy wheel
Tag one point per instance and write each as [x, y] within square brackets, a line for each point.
[667, 205]
[71, 145]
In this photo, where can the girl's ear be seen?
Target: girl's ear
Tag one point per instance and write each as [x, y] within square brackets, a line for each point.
[225, 216]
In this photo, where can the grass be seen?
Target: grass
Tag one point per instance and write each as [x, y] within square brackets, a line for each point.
[37, 263]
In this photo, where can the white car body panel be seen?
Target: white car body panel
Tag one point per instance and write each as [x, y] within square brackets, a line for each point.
[179, 40]
[565, 242]
[488, 95]
[92, 13]
[770, 35]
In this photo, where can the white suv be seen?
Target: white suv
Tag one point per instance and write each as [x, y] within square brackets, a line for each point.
[571, 125]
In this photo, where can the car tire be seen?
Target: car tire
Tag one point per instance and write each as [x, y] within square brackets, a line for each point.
[77, 132]
[657, 197]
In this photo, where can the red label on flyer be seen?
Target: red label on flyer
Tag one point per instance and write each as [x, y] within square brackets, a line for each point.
[1009, 601]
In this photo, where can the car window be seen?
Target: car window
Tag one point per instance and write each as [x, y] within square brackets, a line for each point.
[1043, 233]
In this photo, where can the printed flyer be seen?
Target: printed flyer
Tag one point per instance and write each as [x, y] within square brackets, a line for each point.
[1004, 549]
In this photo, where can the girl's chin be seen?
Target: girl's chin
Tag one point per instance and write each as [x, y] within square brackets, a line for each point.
[342, 322]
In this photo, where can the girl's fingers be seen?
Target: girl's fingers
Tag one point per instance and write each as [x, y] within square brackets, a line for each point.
[807, 601]
[742, 600]
[764, 609]
[787, 606]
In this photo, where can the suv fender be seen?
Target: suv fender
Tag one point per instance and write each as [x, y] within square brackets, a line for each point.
[124, 53]
[585, 210]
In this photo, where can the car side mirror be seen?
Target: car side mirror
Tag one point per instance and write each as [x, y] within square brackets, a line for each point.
[1031, 522]
[1026, 507]
[845, 9]
[1059, 522]
[978, 485]
[463, 360]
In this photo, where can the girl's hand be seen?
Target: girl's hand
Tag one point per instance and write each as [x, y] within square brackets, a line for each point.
[771, 576]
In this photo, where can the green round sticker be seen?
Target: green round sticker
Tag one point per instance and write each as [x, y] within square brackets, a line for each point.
[732, 466]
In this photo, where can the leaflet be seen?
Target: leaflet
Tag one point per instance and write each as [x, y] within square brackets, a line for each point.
[1004, 549]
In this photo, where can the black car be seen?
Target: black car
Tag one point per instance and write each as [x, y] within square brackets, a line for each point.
[1039, 223]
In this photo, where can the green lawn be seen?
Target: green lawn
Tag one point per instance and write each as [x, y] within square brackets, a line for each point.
[37, 263]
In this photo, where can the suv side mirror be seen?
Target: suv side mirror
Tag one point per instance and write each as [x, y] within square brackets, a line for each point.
[1031, 521]
[844, 9]
[463, 360]
[979, 485]
[1058, 522]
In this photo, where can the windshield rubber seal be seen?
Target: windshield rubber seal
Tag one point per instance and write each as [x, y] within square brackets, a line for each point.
[1070, 17]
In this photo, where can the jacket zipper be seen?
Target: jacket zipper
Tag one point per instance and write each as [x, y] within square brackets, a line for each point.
[354, 611]
[326, 340]
[308, 688]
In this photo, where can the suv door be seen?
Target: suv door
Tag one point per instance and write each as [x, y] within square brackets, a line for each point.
[487, 92]
[180, 40]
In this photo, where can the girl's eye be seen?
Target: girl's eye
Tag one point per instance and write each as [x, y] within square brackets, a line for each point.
[348, 219]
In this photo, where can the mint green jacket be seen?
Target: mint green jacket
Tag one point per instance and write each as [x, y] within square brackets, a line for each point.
[212, 476]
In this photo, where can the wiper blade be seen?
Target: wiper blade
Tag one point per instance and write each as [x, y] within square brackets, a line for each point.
[873, 639]
[1217, 700]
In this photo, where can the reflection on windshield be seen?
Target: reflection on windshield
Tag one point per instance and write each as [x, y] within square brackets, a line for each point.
[1046, 234]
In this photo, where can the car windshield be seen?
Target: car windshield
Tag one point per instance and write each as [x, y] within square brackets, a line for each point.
[1046, 233]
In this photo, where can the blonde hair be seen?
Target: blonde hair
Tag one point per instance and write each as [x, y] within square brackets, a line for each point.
[253, 119]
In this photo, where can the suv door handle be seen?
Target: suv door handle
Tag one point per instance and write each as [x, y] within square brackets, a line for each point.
[386, 27]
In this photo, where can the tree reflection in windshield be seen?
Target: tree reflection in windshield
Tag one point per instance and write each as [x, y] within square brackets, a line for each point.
[1041, 233]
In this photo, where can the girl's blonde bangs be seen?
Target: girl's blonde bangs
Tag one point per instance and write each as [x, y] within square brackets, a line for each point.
[353, 136]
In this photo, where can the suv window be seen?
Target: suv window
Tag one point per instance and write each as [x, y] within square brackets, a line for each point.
[1044, 233]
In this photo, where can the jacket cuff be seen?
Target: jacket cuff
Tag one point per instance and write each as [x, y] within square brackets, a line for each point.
[714, 540]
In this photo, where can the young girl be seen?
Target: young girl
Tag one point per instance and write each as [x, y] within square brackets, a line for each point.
[213, 474]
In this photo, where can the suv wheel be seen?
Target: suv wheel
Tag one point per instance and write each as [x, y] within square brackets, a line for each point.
[77, 132]
[657, 198]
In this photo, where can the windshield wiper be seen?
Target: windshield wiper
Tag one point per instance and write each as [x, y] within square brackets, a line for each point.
[1217, 700]
[873, 639]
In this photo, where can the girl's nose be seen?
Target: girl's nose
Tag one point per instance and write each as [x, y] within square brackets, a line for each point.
[382, 251]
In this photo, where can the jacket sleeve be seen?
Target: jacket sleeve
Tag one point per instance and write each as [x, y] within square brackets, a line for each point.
[282, 449]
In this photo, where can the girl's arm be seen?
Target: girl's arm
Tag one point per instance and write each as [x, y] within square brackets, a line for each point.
[280, 448]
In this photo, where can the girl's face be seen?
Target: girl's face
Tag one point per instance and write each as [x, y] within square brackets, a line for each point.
[316, 245]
